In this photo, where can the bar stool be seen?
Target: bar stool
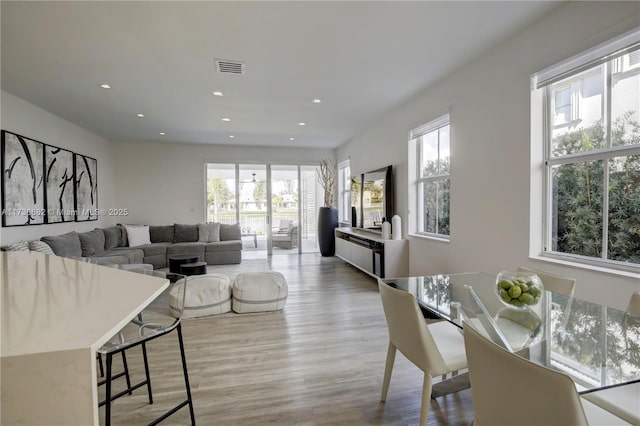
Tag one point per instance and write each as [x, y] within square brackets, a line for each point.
[154, 321]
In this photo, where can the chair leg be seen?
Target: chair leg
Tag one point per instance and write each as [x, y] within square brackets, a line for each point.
[107, 404]
[126, 371]
[186, 375]
[426, 398]
[146, 371]
[391, 356]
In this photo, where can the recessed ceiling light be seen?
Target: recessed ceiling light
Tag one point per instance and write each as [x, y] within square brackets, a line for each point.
[231, 136]
[292, 139]
[105, 86]
[302, 124]
[140, 115]
[226, 119]
[317, 101]
[218, 93]
[162, 133]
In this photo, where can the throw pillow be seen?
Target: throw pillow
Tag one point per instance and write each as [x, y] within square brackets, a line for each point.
[185, 233]
[138, 235]
[213, 231]
[40, 247]
[230, 232]
[112, 237]
[161, 234]
[203, 232]
[123, 228]
[92, 242]
[19, 246]
[64, 245]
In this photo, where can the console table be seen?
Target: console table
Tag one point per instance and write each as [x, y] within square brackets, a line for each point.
[56, 312]
[368, 252]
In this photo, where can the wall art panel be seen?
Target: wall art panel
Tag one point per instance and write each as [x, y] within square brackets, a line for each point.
[59, 184]
[86, 187]
[23, 188]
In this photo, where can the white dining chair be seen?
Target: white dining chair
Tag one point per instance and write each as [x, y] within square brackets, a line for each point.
[553, 282]
[436, 348]
[510, 390]
[634, 304]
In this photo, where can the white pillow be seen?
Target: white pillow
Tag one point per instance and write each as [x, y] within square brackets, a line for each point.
[284, 225]
[138, 235]
[213, 232]
[203, 232]
[40, 246]
[19, 246]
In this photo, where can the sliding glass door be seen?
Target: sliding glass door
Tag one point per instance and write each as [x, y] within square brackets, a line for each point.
[253, 209]
[275, 205]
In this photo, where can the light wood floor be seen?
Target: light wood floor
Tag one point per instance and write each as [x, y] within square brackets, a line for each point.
[318, 362]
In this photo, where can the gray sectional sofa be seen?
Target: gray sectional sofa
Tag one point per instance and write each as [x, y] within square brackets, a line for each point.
[110, 245]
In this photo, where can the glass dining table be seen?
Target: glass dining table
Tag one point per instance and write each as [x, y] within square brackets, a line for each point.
[598, 346]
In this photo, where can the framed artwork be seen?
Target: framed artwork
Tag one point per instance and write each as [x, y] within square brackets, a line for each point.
[23, 188]
[86, 187]
[59, 184]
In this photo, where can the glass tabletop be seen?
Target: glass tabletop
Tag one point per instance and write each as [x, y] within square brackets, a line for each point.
[597, 346]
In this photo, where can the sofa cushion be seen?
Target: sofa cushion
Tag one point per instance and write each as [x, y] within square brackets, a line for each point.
[185, 248]
[230, 232]
[154, 249]
[112, 237]
[110, 260]
[137, 235]
[161, 234]
[234, 245]
[135, 255]
[92, 242]
[185, 233]
[64, 245]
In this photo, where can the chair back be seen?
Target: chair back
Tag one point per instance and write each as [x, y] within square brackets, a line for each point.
[171, 301]
[408, 330]
[634, 304]
[552, 282]
[508, 389]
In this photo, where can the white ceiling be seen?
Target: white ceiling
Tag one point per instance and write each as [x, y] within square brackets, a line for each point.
[361, 58]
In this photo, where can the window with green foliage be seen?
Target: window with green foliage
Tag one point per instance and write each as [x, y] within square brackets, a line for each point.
[592, 161]
[432, 177]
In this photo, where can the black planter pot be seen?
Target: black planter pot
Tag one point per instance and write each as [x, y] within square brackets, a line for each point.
[327, 222]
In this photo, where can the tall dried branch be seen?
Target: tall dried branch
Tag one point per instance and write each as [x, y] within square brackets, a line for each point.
[327, 175]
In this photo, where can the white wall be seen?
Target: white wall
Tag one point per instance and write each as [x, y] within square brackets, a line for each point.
[24, 118]
[165, 183]
[489, 104]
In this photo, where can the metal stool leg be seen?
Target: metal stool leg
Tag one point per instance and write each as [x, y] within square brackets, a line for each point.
[100, 365]
[126, 371]
[107, 409]
[146, 371]
[186, 375]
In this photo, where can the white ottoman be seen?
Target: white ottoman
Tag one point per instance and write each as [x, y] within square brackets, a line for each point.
[259, 292]
[208, 294]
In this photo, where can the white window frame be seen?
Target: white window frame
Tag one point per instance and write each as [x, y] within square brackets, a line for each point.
[605, 53]
[344, 191]
[415, 145]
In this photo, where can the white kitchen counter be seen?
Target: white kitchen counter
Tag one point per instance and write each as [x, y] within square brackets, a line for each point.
[55, 313]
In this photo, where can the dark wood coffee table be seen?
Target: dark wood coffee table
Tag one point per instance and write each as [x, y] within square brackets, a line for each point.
[178, 260]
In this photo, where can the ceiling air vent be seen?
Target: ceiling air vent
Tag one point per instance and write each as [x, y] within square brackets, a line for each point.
[229, 67]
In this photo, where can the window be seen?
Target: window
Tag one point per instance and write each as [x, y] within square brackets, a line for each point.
[592, 156]
[344, 191]
[431, 143]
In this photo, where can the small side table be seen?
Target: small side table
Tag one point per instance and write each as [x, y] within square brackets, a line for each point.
[180, 259]
[195, 268]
